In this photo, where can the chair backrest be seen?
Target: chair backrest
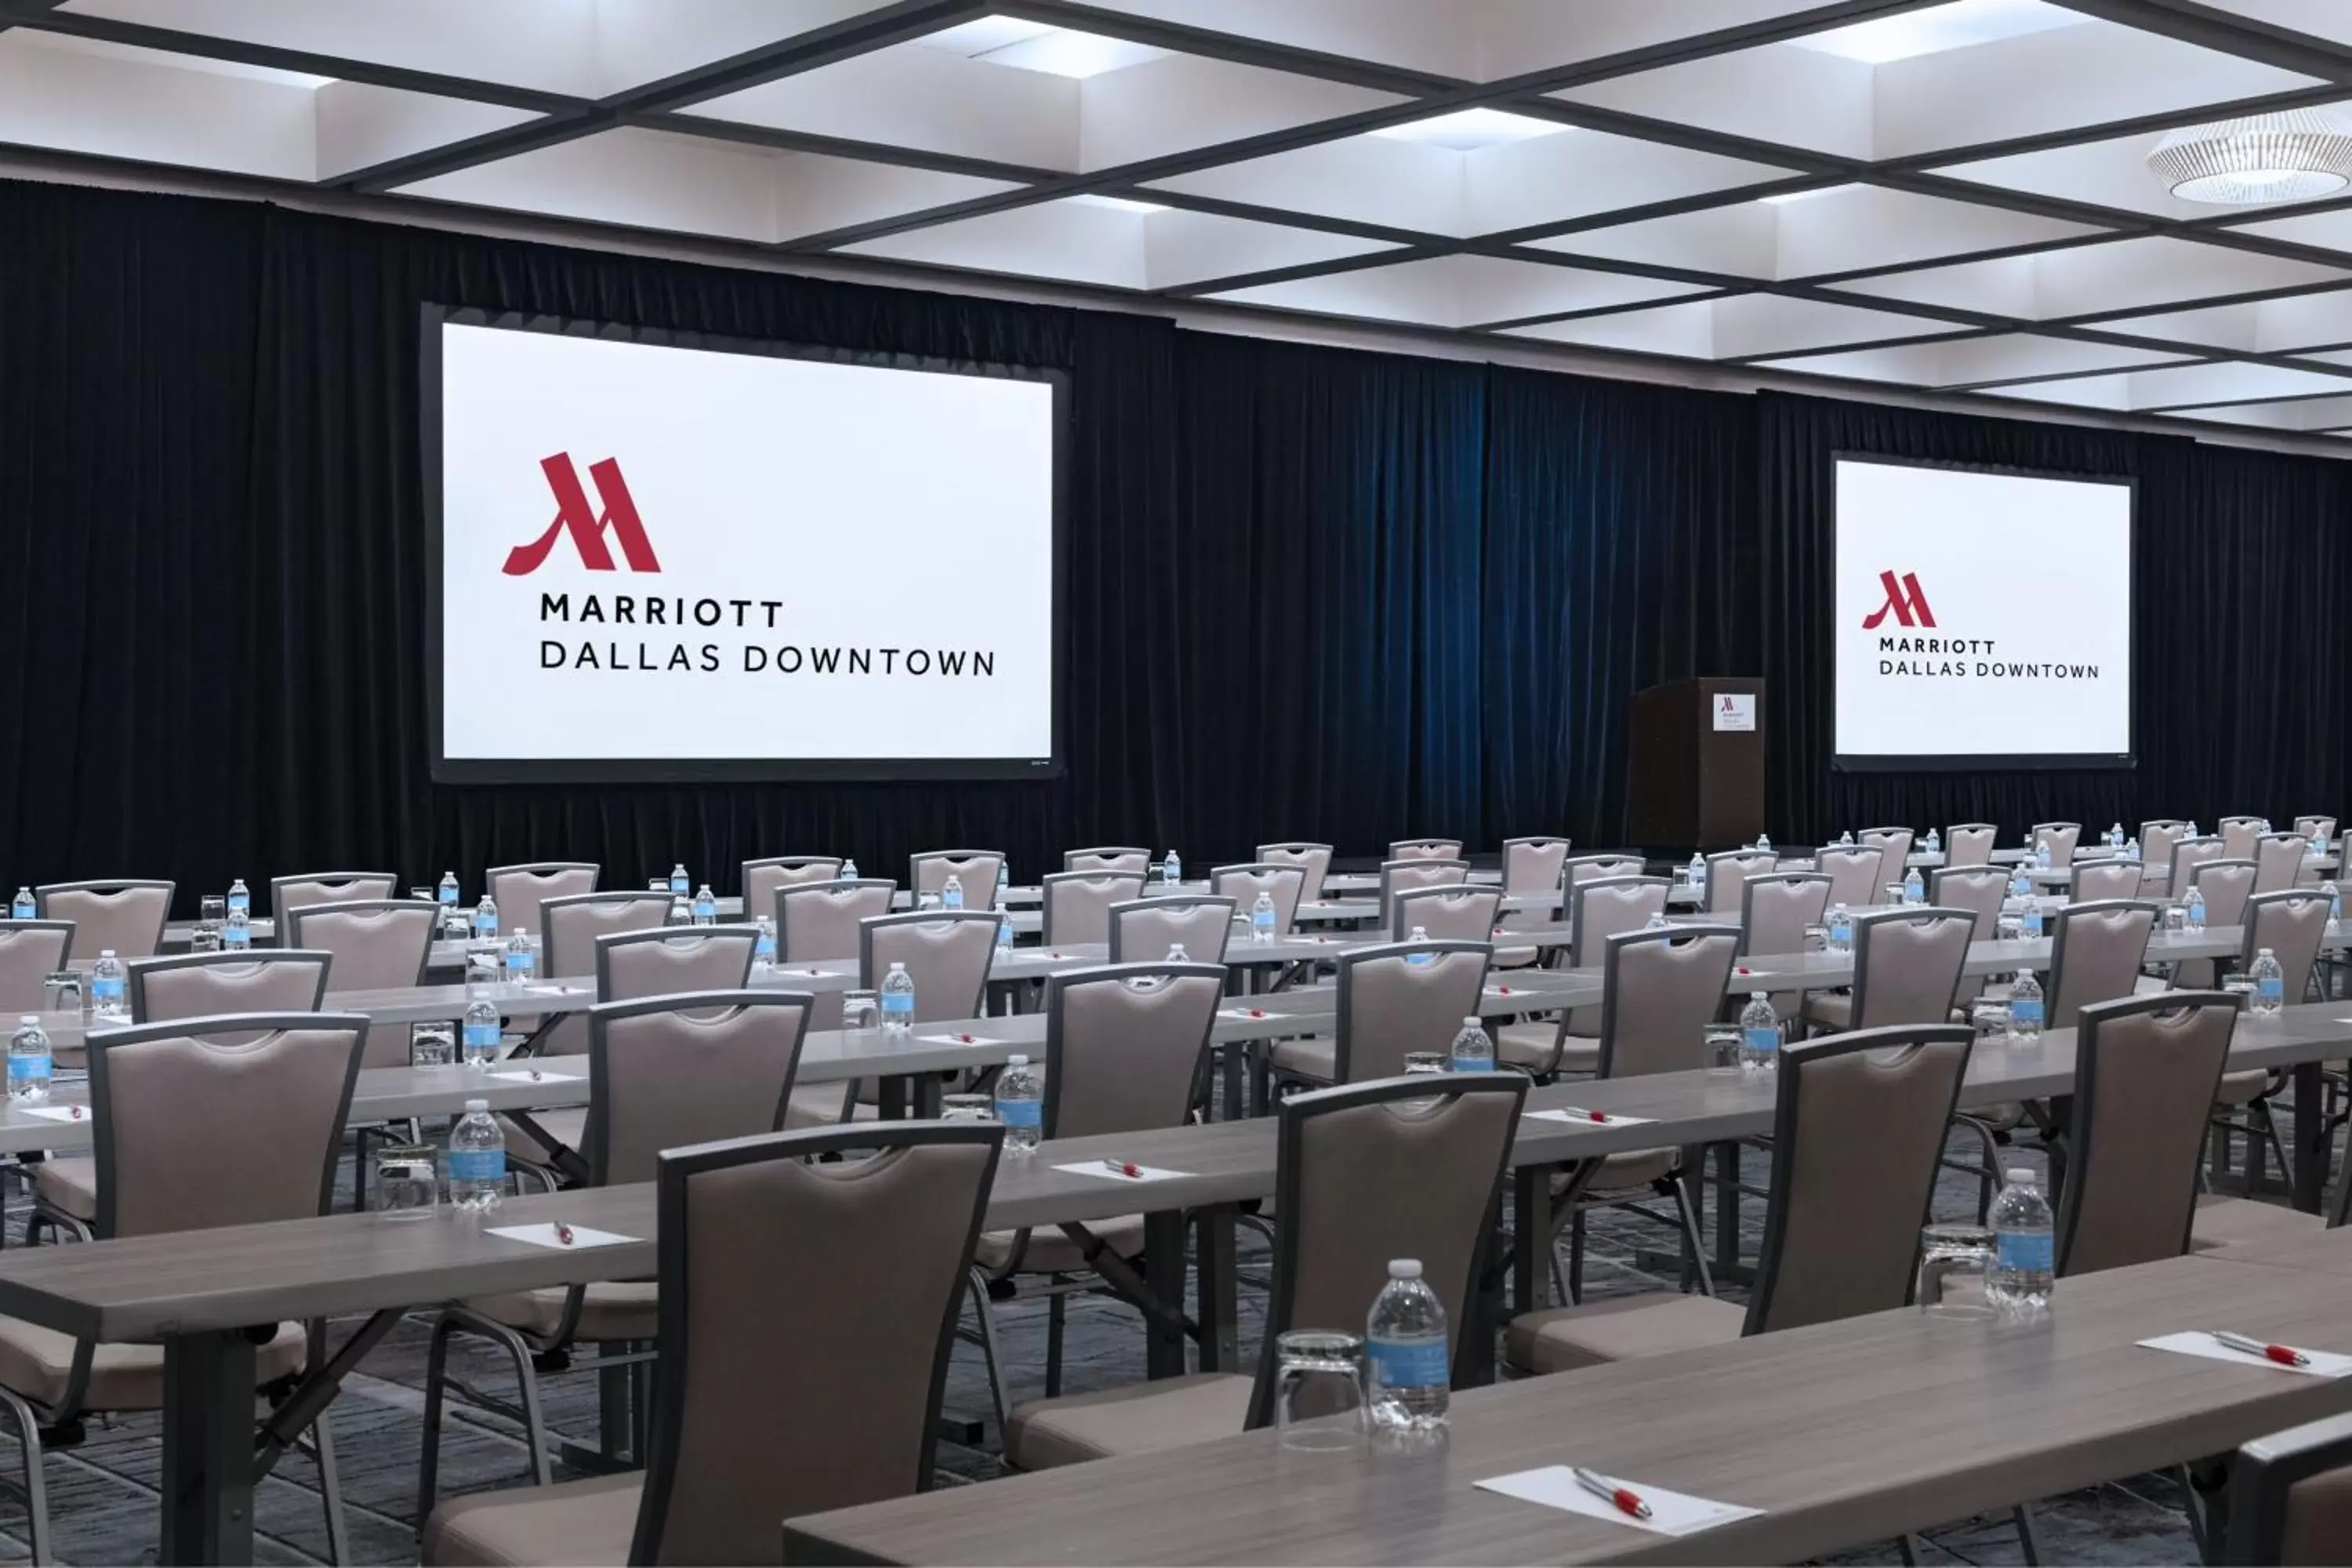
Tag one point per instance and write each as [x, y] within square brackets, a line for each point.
[1425, 849]
[2238, 836]
[1857, 873]
[2293, 924]
[1077, 904]
[379, 944]
[1980, 889]
[2278, 861]
[1143, 929]
[819, 922]
[1857, 1134]
[1124, 859]
[2225, 886]
[2145, 1071]
[1969, 844]
[1368, 1173]
[2089, 881]
[570, 926]
[2323, 827]
[1897, 842]
[1314, 859]
[1408, 876]
[1579, 869]
[639, 964]
[1907, 964]
[1460, 912]
[947, 953]
[289, 893]
[761, 879]
[126, 916]
[756, 1365]
[1598, 909]
[30, 951]
[692, 1068]
[1778, 907]
[2291, 1497]
[1659, 990]
[1534, 864]
[2157, 838]
[1401, 998]
[202, 1122]
[2189, 854]
[518, 891]
[1242, 884]
[2095, 953]
[973, 869]
[204, 984]
[1726, 875]
[2063, 838]
[1123, 1046]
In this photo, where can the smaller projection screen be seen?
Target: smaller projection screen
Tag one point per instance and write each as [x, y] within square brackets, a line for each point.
[1983, 619]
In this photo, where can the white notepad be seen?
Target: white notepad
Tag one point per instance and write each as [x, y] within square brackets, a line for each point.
[1670, 1513]
[1143, 1173]
[960, 1040]
[526, 1075]
[58, 1113]
[1576, 1118]
[1249, 1014]
[544, 1235]
[2199, 1343]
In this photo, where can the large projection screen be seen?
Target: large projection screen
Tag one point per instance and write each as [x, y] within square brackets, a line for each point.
[1983, 619]
[661, 557]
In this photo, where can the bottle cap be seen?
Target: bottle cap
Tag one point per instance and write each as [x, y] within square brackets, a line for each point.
[1016, 1061]
[896, 967]
[1475, 1022]
[2022, 1176]
[1756, 995]
[106, 953]
[2264, 952]
[474, 1105]
[1404, 1268]
[28, 1018]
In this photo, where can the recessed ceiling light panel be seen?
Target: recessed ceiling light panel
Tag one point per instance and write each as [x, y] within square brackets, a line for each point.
[1039, 47]
[2287, 157]
[1467, 129]
[1937, 28]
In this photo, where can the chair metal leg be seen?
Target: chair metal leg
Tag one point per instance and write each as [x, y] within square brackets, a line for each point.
[991, 1353]
[428, 1464]
[534, 1419]
[2026, 1540]
[36, 1491]
[1056, 1314]
[1696, 1255]
[330, 1489]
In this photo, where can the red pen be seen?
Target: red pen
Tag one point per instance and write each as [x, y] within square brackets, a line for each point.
[1502, 991]
[1588, 1115]
[1123, 1168]
[1626, 1499]
[966, 1039]
[563, 1233]
[76, 1113]
[2286, 1355]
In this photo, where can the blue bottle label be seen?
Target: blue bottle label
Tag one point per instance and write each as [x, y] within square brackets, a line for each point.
[519, 965]
[1410, 1363]
[449, 895]
[21, 1068]
[1021, 1112]
[21, 911]
[2271, 988]
[2032, 926]
[103, 989]
[898, 1002]
[764, 948]
[478, 1164]
[240, 903]
[482, 1036]
[2026, 1010]
[236, 936]
[1471, 1061]
[1762, 1039]
[486, 925]
[678, 885]
[2027, 1252]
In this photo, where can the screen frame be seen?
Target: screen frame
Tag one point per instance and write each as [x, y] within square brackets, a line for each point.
[1948, 763]
[446, 769]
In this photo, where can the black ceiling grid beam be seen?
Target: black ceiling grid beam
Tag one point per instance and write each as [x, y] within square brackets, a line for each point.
[776, 138]
[2126, 224]
[1505, 326]
[1995, 383]
[845, 39]
[2346, 390]
[21, 12]
[2265, 43]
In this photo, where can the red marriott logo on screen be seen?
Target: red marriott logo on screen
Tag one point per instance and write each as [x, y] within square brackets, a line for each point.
[1905, 602]
[587, 527]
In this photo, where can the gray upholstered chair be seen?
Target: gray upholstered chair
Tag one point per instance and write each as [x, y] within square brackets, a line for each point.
[1425, 849]
[1907, 970]
[1980, 889]
[1313, 859]
[1776, 909]
[2278, 861]
[1366, 1173]
[1125, 1046]
[126, 917]
[378, 944]
[2095, 953]
[1969, 844]
[2145, 1071]
[288, 894]
[2191, 853]
[755, 1365]
[1598, 910]
[2088, 882]
[1579, 869]
[2063, 838]
[818, 922]
[1125, 859]
[570, 926]
[948, 954]
[2225, 886]
[699, 1065]
[1242, 884]
[2321, 828]
[2291, 1497]
[1726, 876]
[1897, 842]
[1858, 1129]
[1857, 873]
[30, 951]
[762, 877]
[1457, 913]
[975, 871]
[518, 891]
[1144, 930]
[1077, 904]
[2291, 923]
[2238, 834]
[1413, 874]
[196, 1123]
[1534, 864]
[1393, 999]
[2157, 838]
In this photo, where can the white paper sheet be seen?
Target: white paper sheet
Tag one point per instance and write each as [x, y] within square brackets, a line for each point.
[1580, 1117]
[960, 1040]
[58, 1113]
[1249, 1014]
[1670, 1513]
[544, 1235]
[1097, 1168]
[2201, 1342]
[540, 1075]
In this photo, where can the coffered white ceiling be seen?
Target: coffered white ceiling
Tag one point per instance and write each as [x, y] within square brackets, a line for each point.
[1950, 195]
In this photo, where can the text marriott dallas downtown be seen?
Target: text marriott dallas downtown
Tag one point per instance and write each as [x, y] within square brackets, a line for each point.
[1970, 657]
[657, 656]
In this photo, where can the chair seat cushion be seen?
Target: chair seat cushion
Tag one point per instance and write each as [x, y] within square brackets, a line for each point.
[1628, 1168]
[70, 1185]
[819, 1105]
[1624, 1327]
[568, 1127]
[611, 1309]
[1051, 1251]
[2238, 1087]
[590, 1522]
[1314, 1057]
[1141, 1418]
[1529, 1046]
[36, 1363]
[1831, 1009]
[2150, 985]
[2235, 1222]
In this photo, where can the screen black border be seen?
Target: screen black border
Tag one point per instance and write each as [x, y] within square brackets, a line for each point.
[446, 769]
[1949, 761]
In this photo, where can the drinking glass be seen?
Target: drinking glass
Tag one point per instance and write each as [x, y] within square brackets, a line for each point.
[62, 991]
[967, 1108]
[861, 1011]
[481, 963]
[2008, 926]
[1319, 1391]
[1990, 1018]
[1955, 1262]
[1426, 1061]
[422, 895]
[212, 909]
[432, 1045]
[406, 1185]
[1817, 939]
[204, 938]
[2237, 983]
[2175, 920]
[1722, 1046]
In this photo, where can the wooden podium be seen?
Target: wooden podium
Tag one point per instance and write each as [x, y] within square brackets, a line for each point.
[1695, 763]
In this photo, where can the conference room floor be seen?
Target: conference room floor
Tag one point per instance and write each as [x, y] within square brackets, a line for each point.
[103, 1501]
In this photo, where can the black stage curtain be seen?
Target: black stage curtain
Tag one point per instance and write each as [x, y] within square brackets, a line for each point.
[1313, 593]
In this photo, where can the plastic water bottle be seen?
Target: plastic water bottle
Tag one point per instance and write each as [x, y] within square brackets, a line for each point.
[2131, 848]
[1845, 839]
[2029, 919]
[898, 1000]
[681, 913]
[446, 895]
[2115, 836]
[2192, 829]
[1176, 953]
[1934, 844]
[478, 1159]
[28, 1062]
[2192, 908]
[706, 905]
[2026, 1008]
[1004, 930]
[1657, 921]
[109, 990]
[2020, 882]
[1695, 874]
[1003, 881]
[2335, 901]
[1764, 842]
[481, 1030]
[1262, 920]
[1407, 1357]
[1419, 933]
[239, 897]
[952, 894]
[2270, 985]
[520, 959]
[2025, 1271]
[1914, 891]
[849, 869]
[1020, 1105]
[2042, 853]
[1841, 928]
[1759, 1035]
[237, 931]
[763, 947]
[486, 917]
[1171, 871]
[679, 883]
[21, 907]
[1472, 1050]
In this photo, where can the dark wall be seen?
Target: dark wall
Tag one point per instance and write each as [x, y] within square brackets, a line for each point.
[1315, 593]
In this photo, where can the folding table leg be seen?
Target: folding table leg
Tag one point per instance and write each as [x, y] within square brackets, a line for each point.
[1163, 1256]
[209, 1448]
[1530, 1239]
[1219, 1337]
[2311, 1140]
